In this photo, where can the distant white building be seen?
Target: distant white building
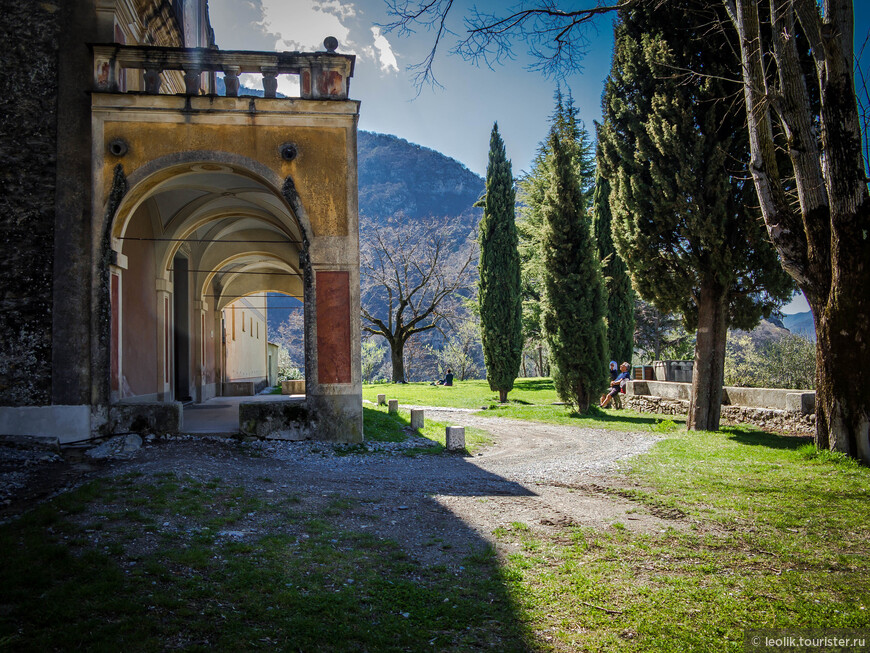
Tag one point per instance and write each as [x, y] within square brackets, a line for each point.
[246, 350]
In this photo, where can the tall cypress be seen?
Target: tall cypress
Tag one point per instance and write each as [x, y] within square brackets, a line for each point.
[617, 283]
[530, 224]
[499, 286]
[574, 304]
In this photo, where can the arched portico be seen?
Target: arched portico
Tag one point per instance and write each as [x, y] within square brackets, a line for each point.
[188, 231]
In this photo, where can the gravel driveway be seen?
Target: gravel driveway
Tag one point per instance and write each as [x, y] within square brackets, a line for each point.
[546, 476]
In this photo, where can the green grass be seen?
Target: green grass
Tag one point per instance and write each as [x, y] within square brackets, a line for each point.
[761, 531]
[380, 426]
[463, 394]
[305, 584]
[773, 536]
[531, 399]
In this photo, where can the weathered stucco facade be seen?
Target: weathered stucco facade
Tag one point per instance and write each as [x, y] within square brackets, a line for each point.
[162, 207]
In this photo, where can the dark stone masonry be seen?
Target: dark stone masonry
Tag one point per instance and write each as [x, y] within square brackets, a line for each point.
[28, 133]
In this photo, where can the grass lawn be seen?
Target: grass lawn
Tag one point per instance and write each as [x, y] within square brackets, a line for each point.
[379, 425]
[139, 564]
[463, 394]
[761, 532]
[769, 535]
[531, 399]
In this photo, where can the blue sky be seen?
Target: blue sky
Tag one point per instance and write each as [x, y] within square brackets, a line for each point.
[455, 119]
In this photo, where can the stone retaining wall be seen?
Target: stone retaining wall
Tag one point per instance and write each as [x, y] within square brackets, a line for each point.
[770, 419]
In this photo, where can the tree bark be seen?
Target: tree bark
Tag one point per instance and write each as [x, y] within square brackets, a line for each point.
[842, 347]
[502, 396]
[825, 246]
[707, 377]
[397, 358]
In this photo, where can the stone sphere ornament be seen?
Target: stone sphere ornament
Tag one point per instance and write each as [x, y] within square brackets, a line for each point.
[330, 43]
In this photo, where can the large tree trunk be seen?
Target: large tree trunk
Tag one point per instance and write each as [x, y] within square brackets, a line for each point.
[825, 246]
[397, 358]
[843, 344]
[708, 375]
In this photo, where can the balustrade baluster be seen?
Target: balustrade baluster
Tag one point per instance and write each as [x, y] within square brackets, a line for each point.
[231, 80]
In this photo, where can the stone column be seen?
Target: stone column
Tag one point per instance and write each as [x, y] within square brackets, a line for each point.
[333, 385]
[116, 362]
[164, 340]
[199, 328]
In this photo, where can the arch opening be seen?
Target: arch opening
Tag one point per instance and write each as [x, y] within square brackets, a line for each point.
[194, 243]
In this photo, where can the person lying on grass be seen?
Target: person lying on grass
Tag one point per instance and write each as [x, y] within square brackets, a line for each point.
[616, 386]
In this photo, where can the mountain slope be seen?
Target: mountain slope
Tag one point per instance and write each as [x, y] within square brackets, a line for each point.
[398, 177]
[801, 323]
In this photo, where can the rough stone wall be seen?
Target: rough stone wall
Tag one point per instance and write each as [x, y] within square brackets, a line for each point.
[28, 111]
[769, 419]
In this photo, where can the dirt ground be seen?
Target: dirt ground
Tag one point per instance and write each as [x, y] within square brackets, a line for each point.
[545, 476]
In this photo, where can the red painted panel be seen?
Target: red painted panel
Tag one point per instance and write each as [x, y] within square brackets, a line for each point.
[330, 84]
[116, 349]
[333, 326]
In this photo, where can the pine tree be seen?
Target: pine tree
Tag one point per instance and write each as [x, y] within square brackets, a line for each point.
[530, 223]
[574, 306]
[617, 283]
[499, 285]
[676, 157]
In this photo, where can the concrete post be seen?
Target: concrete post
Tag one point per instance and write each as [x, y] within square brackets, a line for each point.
[455, 438]
[417, 418]
[382, 400]
[394, 406]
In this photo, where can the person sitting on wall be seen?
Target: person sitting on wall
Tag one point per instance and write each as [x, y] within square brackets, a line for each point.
[447, 380]
[614, 372]
[616, 386]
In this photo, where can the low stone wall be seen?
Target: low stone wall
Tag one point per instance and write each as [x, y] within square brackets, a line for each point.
[293, 387]
[770, 419]
[163, 418]
[277, 420]
[801, 401]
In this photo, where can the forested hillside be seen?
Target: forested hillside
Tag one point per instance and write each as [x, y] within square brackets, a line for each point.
[398, 177]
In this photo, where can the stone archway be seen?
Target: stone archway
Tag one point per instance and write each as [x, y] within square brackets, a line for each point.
[193, 242]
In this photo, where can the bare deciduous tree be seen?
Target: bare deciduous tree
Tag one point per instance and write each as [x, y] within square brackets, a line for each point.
[411, 275]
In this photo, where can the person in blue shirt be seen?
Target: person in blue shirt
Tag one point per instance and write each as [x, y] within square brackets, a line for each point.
[617, 385]
[614, 372]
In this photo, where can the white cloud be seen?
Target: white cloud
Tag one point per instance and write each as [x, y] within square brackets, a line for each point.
[385, 52]
[303, 24]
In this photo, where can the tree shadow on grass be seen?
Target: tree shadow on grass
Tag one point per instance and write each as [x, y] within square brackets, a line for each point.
[599, 415]
[533, 384]
[758, 438]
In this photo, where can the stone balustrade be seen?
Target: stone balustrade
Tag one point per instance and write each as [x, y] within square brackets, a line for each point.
[322, 75]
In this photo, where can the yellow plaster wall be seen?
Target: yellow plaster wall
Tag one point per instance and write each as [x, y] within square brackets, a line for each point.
[320, 170]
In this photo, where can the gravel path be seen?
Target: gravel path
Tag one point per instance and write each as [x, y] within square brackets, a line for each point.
[546, 476]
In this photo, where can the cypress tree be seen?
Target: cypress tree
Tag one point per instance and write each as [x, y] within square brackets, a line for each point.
[676, 156]
[530, 224]
[617, 283]
[574, 305]
[499, 285]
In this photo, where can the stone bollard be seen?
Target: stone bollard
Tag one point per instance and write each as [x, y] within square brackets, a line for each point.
[417, 418]
[382, 400]
[394, 406]
[455, 438]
